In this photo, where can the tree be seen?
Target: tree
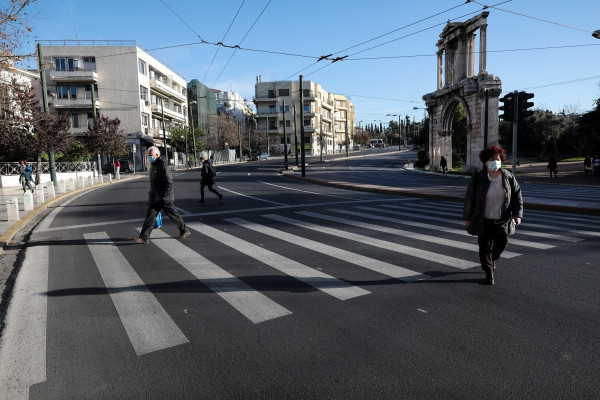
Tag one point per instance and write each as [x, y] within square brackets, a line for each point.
[179, 135]
[14, 27]
[104, 137]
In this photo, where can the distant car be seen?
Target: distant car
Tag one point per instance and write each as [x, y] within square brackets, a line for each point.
[357, 147]
[126, 166]
[415, 147]
[263, 156]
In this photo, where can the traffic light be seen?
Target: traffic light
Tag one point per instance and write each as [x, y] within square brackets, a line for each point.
[524, 105]
[507, 107]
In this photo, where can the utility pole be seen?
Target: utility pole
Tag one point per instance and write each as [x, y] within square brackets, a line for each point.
[295, 137]
[407, 130]
[303, 156]
[240, 139]
[46, 110]
[321, 136]
[399, 133]
[485, 124]
[347, 139]
[285, 139]
[515, 124]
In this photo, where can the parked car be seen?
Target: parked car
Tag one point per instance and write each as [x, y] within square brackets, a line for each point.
[126, 166]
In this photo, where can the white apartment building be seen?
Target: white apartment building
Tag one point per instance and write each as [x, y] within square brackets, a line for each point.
[234, 104]
[129, 83]
[327, 115]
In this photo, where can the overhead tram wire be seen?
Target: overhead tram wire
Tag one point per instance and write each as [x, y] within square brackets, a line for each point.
[224, 36]
[529, 16]
[241, 41]
[181, 19]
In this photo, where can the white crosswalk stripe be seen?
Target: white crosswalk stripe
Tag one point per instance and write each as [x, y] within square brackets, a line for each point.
[398, 232]
[147, 324]
[319, 280]
[252, 304]
[521, 231]
[347, 256]
[398, 248]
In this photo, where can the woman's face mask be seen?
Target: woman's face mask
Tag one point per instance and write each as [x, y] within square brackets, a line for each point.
[494, 165]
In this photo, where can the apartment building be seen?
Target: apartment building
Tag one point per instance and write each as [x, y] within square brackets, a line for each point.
[327, 115]
[203, 104]
[116, 79]
[233, 104]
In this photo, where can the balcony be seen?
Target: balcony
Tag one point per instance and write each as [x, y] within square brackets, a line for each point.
[158, 110]
[326, 118]
[77, 75]
[72, 103]
[327, 105]
[167, 90]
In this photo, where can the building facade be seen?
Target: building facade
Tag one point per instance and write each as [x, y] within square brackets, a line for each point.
[328, 118]
[233, 104]
[116, 79]
[202, 105]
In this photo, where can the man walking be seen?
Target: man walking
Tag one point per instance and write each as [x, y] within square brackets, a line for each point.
[160, 197]
[443, 165]
[208, 173]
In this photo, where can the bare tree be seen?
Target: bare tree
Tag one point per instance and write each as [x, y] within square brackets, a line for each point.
[14, 28]
[104, 137]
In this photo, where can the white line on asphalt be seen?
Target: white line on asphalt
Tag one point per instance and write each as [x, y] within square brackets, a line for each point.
[520, 230]
[399, 232]
[306, 191]
[252, 304]
[23, 345]
[398, 248]
[461, 232]
[251, 197]
[347, 256]
[221, 212]
[146, 322]
[319, 280]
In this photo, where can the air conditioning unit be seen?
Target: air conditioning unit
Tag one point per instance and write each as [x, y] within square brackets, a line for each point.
[147, 103]
[146, 130]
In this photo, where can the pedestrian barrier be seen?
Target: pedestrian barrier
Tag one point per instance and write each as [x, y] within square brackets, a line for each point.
[81, 182]
[28, 201]
[51, 192]
[91, 180]
[39, 195]
[61, 186]
[71, 184]
[12, 208]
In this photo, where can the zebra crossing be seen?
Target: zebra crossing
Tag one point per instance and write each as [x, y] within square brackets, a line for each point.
[150, 328]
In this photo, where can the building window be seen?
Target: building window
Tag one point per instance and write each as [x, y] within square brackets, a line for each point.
[89, 60]
[143, 93]
[141, 67]
[307, 122]
[271, 109]
[145, 119]
[64, 64]
[271, 94]
[73, 92]
[287, 108]
[284, 92]
[306, 92]
[287, 123]
[74, 120]
[307, 108]
[62, 92]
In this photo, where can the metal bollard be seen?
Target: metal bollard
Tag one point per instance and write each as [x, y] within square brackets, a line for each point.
[91, 180]
[61, 186]
[12, 209]
[110, 178]
[101, 178]
[71, 184]
[81, 182]
[28, 201]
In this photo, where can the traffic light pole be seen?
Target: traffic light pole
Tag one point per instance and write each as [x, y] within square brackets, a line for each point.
[515, 124]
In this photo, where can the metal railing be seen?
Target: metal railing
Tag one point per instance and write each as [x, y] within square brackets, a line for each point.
[13, 168]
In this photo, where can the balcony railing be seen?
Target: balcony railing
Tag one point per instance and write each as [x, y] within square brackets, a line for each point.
[77, 75]
[166, 89]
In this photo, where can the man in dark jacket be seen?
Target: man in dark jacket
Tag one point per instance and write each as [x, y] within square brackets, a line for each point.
[208, 172]
[160, 197]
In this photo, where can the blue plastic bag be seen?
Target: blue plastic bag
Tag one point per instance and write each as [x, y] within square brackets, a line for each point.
[158, 220]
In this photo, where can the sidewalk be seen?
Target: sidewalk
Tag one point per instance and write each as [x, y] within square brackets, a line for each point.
[9, 228]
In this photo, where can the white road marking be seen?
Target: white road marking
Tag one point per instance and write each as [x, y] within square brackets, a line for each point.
[520, 230]
[146, 322]
[252, 304]
[398, 248]
[461, 232]
[23, 346]
[319, 280]
[347, 256]
[251, 197]
[306, 191]
[399, 232]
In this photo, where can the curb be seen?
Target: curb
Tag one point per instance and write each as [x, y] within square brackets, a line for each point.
[6, 237]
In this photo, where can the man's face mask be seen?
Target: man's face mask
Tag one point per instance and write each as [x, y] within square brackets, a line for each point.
[151, 159]
[494, 165]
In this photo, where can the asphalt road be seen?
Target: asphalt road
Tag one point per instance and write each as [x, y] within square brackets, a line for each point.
[299, 291]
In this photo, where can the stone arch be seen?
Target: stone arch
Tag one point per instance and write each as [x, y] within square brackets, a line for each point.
[478, 94]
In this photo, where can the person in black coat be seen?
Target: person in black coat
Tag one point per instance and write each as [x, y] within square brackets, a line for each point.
[553, 167]
[443, 164]
[160, 197]
[207, 173]
[493, 208]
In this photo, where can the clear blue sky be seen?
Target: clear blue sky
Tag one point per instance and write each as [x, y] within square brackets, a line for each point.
[566, 51]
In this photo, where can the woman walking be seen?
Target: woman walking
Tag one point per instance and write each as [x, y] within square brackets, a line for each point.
[493, 208]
